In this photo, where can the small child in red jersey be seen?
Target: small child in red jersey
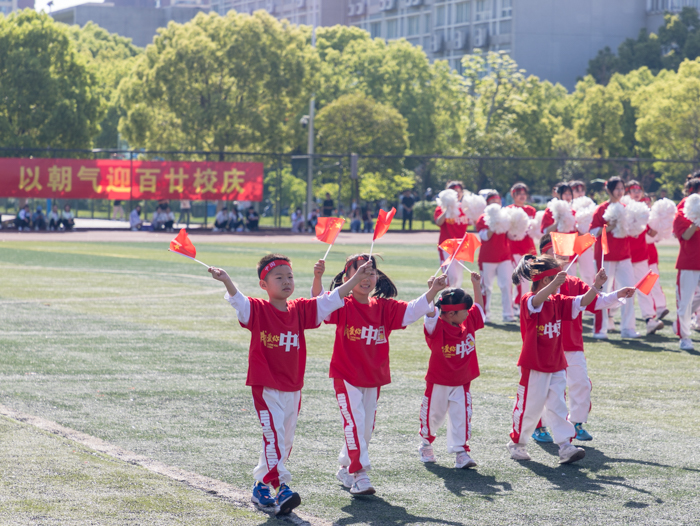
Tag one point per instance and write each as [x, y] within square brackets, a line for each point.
[542, 361]
[276, 364]
[360, 362]
[452, 367]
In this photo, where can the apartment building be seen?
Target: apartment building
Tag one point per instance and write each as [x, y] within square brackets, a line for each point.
[7, 6]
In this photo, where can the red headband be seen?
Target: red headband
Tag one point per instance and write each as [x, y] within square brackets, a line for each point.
[544, 274]
[449, 308]
[272, 264]
[634, 186]
[545, 248]
[350, 263]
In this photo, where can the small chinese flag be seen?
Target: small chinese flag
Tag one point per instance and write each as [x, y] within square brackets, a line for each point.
[383, 222]
[328, 228]
[466, 251]
[583, 243]
[604, 241]
[182, 245]
[563, 244]
[647, 283]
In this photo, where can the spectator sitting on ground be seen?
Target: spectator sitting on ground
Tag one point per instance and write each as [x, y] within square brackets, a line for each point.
[39, 219]
[169, 219]
[356, 220]
[23, 221]
[253, 219]
[159, 219]
[297, 219]
[67, 218]
[135, 218]
[221, 221]
[54, 218]
[235, 223]
[313, 220]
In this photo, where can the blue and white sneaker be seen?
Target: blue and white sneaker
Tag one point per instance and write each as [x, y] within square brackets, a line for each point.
[542, 436]
[261, 495]
[287, 500]
[582, 434]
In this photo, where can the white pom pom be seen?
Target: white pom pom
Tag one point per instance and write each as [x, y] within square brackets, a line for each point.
[637, 217]
[448, 201]
[473, 206]
[661, 218]
[562, 214]
[691, 209]
[626, 199]
[519, 223]
[615, 216]
[497, 218]
[584, 208]
[534, 227]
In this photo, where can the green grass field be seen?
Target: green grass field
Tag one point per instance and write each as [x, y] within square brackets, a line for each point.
[136, 346]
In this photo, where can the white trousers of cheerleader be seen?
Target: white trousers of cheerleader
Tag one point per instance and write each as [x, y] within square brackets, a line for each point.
[686, 283]
[657, 293]
[646, 303]
[502, 273]
[358, 410]
[579, 385]
[277, 412]
[620, 274]
[441, 401]
[455, 275]
[586, 266]
[541, 395]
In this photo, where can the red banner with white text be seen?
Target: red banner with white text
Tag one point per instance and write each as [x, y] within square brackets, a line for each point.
[124, 180]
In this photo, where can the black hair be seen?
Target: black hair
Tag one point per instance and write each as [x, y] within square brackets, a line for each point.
[529, 266]
[692, 175]
[544, 241]
[385, 288]
[519, 186]
[454, 296]
[563, 187]
[612, 183]
[270, 257]
[692, 185]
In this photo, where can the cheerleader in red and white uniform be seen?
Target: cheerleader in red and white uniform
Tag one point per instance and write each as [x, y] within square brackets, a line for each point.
[453, 366]
[618, 262]
[520, 193]
[542, 361]
[657, 293]
[453, 222]
[360, 361]
[558, 216]
[583, 208]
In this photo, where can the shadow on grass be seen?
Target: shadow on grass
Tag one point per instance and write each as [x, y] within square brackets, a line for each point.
[375, 511]
[504, 326]
[461, 481]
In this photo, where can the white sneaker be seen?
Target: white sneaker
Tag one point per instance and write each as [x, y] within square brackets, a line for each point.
[345, 478]
[600, 335]
[508, 319]
[611, 323]
[362, 485]
[518, 451]
[215, 229]
[487, 319]
[627, 333]
[662, 314]
[463, 460]
[686, 344]
[654, 325]
[426, 453]
[569, 453]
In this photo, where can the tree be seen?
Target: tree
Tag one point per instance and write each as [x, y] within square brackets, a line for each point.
[597, 116]
[49, 96]
[603, 66]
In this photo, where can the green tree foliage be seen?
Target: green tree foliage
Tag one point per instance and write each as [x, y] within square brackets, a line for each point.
[49, 96]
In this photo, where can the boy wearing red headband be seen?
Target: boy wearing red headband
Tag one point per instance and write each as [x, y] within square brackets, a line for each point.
[276, 364]
[542, 361]
[452, 367]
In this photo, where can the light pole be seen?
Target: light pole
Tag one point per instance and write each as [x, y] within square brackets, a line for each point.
[310, 151]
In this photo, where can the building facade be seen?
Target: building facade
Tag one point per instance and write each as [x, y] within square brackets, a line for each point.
[7, 6]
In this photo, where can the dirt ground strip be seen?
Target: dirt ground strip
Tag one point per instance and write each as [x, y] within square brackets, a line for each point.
[211, 486]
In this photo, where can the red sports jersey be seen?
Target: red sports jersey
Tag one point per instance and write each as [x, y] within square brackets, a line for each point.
[572, 330]
[525, 245]
[619, 246]
[541, 332]
[453, 350]
[653, 254]
[548, 220]
[277, 356]
[689, 254]
[495, 249]
[361, 348]
[452, 228]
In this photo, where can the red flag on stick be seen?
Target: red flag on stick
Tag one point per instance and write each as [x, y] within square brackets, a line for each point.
[647, 283]
[563, 244]
[183, 246]
[328, 228]
[466, 253]
[583, 243]
[604, 241]
[383, 222]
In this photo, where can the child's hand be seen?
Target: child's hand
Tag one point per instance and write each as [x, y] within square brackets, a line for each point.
[600, 278]
[559, 279]
[439, 283]
[364, 271]
[627, 292]
[430, 281]
[476, 279]
[219, 274]
[319, 268]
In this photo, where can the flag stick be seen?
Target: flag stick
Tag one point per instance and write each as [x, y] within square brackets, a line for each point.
[371, 249]
[327, 251]
[572, 262]
[188, 257]
[457, 252]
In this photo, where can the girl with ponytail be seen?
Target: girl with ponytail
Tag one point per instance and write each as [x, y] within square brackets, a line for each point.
[542, 361]
[360, 361]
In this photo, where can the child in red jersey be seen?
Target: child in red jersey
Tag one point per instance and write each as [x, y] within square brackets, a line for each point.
[360, 362]
[276, 364]
[452, 367]
[542, 361]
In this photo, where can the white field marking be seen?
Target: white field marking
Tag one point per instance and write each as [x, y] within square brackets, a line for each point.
[93, 270]
[211, 486]
[114, 300]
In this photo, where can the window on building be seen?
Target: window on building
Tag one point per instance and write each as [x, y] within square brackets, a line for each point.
[482, 10]
[506, 8]
[375, 29]
[440, 16]
[392, 29]
[412, 25]
[427, 24]
[462, 12]
[504, 27]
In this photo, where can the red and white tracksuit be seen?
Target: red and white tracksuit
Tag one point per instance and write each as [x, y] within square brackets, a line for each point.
[518, 249]
[452, 228]
[657, 293]
[496, 263]
[688, 265]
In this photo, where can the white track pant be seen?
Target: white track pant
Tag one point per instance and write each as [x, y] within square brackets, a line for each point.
[579, 385]
[439, 401]
[586, 267]
[541, 395]
[620, 274]
[502, 272]
[277, 412]
[455, 276]
[686, 283]
[524, 287]
[646, 303]
[358, 410]
[657, 293]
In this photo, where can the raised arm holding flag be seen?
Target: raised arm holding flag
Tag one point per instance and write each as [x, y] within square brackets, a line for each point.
[183, 246]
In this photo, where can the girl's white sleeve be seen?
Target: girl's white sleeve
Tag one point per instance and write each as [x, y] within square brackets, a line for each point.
[242, 305]
[416, 309]
[430, 323]
[576, 308]
[484, 234]
[606, 301]
[326, 304]
[531, 308]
